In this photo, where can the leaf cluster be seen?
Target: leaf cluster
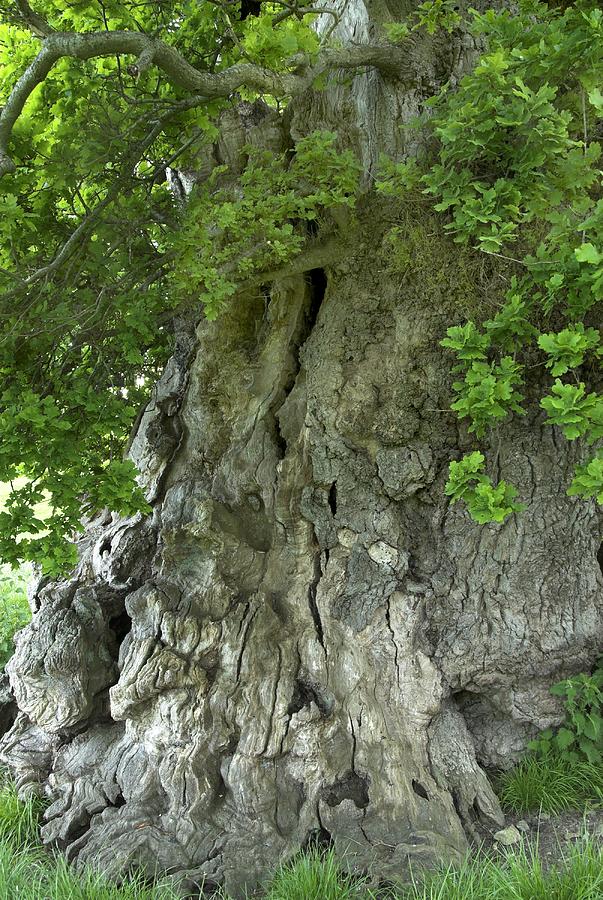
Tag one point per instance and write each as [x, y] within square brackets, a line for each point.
[431, 15]
[255, 223]
[514, 138]
[485, 501]
[516, 163]
[581, 735]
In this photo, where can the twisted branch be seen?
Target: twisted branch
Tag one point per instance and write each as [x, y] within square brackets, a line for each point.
[300, 70]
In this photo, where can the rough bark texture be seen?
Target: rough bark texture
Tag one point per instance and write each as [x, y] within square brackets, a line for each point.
[304, 642]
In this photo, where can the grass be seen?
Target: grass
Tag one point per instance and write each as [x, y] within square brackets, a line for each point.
[315, 876]
[550, 784]
[519, 875]
[19, 819]
[30, 873]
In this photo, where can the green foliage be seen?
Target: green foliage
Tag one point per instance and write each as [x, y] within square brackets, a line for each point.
[498, 124]
[580, 738]
[38, 426]
[98, 261]
[231, 233]
[567, 349]
[82, 339]
[577, 413]
[397, 32]
[271, 47]
[588, 480]
[563, 768]
[397, 178]
[15, 613]
[485, 502]
[512, 144]
[467, 342]
[562, 270]
[488, 393]
[550, 783]
[510, 328]
[434, 14]
[516, 164]
[430, 15]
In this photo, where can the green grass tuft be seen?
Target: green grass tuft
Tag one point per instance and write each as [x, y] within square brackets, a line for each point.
[29, 872]
[550, 784]
[520, 875]
[314, 876]
[22, 872]
[63, 883]
[19, 819]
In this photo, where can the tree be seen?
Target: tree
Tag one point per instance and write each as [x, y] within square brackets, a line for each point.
[287, 634]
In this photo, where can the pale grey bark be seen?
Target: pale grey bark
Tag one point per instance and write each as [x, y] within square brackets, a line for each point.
[297, 76]
[304, 642]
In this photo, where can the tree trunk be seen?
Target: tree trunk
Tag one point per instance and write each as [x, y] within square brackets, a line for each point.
[304, 642]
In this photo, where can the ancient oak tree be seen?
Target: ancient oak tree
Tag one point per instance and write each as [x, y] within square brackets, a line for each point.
[263, 250]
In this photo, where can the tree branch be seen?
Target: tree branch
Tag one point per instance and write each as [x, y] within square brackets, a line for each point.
[30, 19]
[314, 255]
[301, 70]
[83, 229]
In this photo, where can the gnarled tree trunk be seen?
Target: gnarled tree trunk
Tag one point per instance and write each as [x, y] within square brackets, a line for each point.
[304, 641]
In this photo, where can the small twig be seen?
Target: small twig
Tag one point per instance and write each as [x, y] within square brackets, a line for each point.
[501, 256]
[168, 162]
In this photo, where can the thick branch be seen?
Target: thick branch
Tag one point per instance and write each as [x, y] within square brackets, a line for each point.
[26, 16]
[315, 255]
[299, 74]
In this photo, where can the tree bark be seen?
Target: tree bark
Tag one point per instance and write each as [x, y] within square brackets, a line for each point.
[304, 642]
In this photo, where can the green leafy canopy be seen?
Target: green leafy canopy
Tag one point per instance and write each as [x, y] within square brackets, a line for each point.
[517, 166]
[97, 257]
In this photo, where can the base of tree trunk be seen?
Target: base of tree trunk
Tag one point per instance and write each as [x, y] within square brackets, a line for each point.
[304, 643]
